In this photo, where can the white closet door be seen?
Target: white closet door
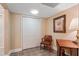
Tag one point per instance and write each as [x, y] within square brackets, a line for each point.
[32, 32]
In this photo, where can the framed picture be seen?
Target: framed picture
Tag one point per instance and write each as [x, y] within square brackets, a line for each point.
[59, 24]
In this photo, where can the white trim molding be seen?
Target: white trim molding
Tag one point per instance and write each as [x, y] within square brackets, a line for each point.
[14, 50]
[1, 51]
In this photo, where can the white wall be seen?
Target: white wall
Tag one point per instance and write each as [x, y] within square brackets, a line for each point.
[1, 36]
[32, 32]
[1, 40]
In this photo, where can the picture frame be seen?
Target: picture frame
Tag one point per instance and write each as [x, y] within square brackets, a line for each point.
[59, 24]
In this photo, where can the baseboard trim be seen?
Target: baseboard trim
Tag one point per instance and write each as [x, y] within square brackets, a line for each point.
[1, 51]
[14, 50]
[31, 47]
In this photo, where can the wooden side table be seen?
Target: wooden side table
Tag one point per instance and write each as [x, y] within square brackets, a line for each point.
[63, 43]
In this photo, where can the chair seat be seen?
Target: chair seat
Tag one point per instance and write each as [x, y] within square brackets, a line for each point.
[46, 43]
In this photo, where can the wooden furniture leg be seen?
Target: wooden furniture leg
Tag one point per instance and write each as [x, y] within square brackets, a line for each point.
[77, 51]
[70, 51]
[59, 51]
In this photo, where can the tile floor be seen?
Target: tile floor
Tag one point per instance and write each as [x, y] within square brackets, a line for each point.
[34, 52]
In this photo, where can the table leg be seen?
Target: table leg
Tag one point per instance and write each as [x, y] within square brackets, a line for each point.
[77, 51]
[70, 51]
[59, 51]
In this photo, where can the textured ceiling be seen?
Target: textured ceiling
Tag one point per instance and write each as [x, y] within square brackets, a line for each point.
[45, 9]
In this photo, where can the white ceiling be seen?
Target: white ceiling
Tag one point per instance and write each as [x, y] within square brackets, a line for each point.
[45, 10]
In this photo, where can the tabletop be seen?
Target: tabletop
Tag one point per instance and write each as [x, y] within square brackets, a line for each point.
[66, 43]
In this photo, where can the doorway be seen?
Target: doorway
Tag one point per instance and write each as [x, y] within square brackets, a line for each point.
[31, 32]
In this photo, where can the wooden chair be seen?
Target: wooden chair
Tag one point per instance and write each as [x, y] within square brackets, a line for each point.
[46, 42]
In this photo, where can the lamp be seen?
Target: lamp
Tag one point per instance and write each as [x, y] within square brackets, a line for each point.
[74, 26]
[77, 41]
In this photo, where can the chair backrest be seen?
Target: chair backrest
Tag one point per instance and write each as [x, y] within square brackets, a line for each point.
[48, 38]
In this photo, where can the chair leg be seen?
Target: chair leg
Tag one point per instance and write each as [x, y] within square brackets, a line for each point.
[40, 46]
[50, 49]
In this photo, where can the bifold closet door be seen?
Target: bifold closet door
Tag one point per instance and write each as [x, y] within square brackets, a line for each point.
[32, 32]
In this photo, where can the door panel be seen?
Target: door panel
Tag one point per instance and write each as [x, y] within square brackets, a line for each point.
[32, 32]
